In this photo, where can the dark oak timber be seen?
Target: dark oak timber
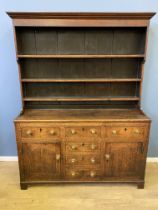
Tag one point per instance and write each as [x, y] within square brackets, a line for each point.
[81, 80]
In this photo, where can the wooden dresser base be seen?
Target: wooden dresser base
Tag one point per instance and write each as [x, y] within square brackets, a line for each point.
[82, 146]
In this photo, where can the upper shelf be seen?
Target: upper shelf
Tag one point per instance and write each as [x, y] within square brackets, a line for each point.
[83, 42]
[82, 56]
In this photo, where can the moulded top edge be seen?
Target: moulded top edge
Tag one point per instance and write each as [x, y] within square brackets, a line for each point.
[81, 15]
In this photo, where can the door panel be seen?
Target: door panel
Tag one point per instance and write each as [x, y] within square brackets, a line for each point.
[123, 160]
[41, 161]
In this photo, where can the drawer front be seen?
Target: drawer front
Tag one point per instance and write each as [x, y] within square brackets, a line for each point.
[90, 159]
[126, 132]
[82, 147]
[41, 133]
[85, 174]
[30, 133]
[50, 132]
[77, 132]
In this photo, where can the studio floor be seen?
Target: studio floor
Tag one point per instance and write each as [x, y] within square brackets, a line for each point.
[77, 197]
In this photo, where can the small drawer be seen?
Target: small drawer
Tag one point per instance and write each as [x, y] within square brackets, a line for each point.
[83, 146]
[50, 132]
[84, 132]
[126, 132]
[81, 159]
[85, 174]
[30, 133]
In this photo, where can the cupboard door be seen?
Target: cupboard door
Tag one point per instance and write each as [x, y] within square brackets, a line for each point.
[41, 161]
[123, 160]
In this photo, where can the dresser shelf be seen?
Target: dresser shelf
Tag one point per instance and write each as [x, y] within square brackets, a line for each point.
[83, 56]
[82, 99]
[82, 80]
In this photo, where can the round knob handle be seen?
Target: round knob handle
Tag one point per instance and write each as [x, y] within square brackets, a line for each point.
[73, 160]
[92, 160]
[114, 132]
[136, 131]
[52, 132]
[92, 174]
[57, 156]
[93, 146]
[73, 131]
[107, 156]
[28, 132]
[73, 173]
[73, 146]
[93, 131]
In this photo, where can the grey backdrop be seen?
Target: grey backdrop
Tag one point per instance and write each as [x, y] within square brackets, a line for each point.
[10, 104]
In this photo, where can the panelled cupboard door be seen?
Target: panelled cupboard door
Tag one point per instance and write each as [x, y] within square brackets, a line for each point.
[41, 161]
[123, 160]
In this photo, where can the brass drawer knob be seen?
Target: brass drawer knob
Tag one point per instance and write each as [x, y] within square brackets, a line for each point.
[93, 146]
[73, 160]
[114, 132]
[57, 156]
[52, 132]
[107, 156]
[92, 160]
[136, 131]
[92, 174]
[73, 131]
[73, 147]
[73, 173]
[93, 131]
[29, 132]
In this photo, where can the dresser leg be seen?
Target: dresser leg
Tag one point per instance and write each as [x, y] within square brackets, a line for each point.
[140, 185]
[23, 186]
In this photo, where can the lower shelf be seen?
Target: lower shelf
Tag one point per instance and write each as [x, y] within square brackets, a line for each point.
[81, 99]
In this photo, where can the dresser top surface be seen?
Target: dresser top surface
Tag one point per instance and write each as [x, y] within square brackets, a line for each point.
[82, 115]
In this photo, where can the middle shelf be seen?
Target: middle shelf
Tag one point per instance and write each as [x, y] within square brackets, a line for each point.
[82, 80]
[81, 56]
[90, 70]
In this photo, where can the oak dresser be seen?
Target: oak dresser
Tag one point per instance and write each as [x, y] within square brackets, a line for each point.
[81, 80]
